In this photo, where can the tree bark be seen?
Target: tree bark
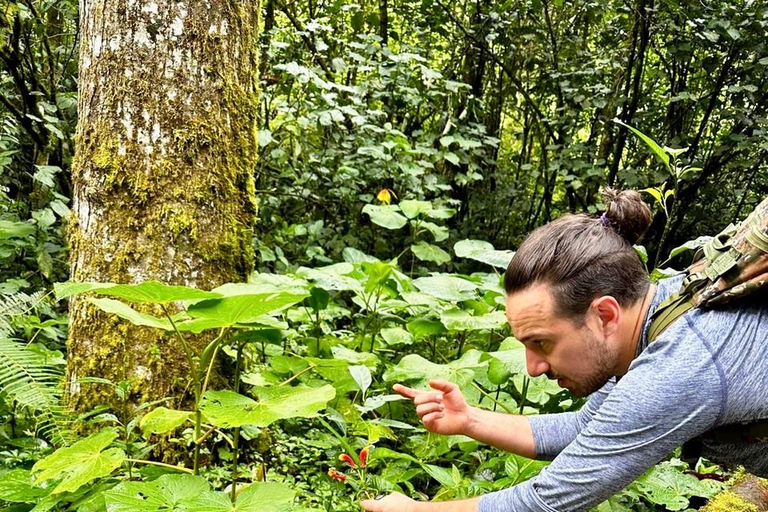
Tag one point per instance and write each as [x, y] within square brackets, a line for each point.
[162, 176]
[748, 494]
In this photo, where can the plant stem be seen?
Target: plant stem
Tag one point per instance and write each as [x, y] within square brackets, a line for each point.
[486, 394]
[305, 370]
[526, 380]
[153, 463]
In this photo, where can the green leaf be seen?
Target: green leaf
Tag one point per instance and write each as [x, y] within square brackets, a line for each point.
[441, 213]
[691, 245]
[257, 497]
[229, 409]
[332, 277]
[412, 208]
[428, 252]
[147, 292]
[16, 486]
[439, 232]
[162, 420]
[657, 150]
[167, 493]
[396, 336]
[318, 299]
[386, 215]
[460, 320]
[128, 313]
[413, 367]
[668, 486]
[240, 309]
[80, 463]
[11, 229]
[483, 252]
[446, 287]
[362, 376]
[453, 158]
[423, 327]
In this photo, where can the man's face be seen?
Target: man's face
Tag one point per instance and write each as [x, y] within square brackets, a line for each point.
[577, 356]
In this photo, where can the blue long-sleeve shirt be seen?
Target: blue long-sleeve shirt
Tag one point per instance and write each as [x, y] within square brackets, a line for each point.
[708, 368]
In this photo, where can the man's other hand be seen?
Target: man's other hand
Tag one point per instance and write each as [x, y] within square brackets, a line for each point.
[395, 502]
[443, 411]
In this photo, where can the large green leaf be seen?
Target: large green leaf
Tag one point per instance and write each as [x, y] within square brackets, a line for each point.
[147, 292]
[167, 493]
[16, 486]
[162, 420]
[229, 409]
[412, 208]
[12, 229]
[396, 336]
[257, 497]
[386, 216]
[665, 485]
[483, 252]
[413, 367]
[239, 309]
[125, 311]
[332, 277]
[439, 232]
[460, 320]
[76, 465]
[446, 287]
[428, 252]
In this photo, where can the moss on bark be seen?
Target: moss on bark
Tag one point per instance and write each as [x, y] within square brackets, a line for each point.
[163, 176]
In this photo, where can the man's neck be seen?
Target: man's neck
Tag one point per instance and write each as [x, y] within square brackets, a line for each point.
[632, 329]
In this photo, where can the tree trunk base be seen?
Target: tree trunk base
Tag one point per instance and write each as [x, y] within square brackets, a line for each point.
[748, 494]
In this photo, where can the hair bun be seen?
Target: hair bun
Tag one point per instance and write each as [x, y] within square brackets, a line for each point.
[627, 213]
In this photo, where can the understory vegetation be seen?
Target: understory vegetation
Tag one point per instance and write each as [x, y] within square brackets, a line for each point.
[405, 151]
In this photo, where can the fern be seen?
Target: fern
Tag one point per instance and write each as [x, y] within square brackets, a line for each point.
[13, 305]
[30, 378]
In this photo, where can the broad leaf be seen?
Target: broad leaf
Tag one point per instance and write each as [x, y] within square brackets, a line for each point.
[257, 497]
[413, 367]
[244, 308]
[169, 492]
[11, 229]
[162, 420]
[332, 277]
[439, 232]
[446, 287]
[412, 208]
[460, 320]
[483, 252]
[80, 463]
[16, 486]
[386, 216]
[153, 292]
[125, 311]
[667, 486]
[396, 336]
[428, 252]
[229, 409]
[423, 327]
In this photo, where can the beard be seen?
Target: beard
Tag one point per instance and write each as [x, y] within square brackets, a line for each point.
[599, 359]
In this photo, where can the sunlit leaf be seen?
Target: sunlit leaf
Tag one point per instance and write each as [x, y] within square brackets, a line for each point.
[386, 216]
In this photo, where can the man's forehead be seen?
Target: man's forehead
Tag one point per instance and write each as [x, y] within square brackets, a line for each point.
[530, 309]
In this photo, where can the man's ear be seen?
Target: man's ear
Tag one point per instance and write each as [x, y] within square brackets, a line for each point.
[608, 311]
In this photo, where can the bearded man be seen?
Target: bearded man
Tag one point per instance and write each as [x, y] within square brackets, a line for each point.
[580, 300]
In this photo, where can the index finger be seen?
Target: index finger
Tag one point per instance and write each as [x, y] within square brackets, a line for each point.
[405, 391]
[442, 385]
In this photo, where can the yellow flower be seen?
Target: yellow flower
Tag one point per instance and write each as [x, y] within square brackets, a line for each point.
[385, 195]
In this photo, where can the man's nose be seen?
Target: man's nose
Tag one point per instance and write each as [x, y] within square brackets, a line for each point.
[536, 365]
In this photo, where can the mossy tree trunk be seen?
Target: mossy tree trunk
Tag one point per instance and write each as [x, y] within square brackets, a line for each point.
[163, 187]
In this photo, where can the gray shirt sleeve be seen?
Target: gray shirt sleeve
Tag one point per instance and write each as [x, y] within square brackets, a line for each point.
[553, 432]
[673, 391]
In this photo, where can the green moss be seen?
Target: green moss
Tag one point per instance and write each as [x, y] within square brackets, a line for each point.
[730, 502]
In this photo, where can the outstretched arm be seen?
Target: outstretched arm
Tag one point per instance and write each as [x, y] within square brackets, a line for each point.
[444, 411]
[397, 502]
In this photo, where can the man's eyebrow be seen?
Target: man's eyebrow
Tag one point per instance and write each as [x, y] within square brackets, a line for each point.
[531, 337]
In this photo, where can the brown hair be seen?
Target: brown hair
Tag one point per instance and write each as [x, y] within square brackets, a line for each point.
[583, 257]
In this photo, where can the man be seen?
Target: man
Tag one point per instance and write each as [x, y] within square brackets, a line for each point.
[580, 300]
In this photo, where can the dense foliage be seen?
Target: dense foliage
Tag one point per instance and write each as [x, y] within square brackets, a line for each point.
[394, 138]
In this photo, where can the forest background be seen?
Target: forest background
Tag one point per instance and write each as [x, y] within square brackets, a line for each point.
[403, 149]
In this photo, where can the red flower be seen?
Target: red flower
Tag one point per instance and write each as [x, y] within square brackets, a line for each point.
[344, 457]
[364, 455]
[336, 475]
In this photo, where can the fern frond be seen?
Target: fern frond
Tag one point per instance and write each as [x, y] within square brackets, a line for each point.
[33, 381]
[16, 304]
